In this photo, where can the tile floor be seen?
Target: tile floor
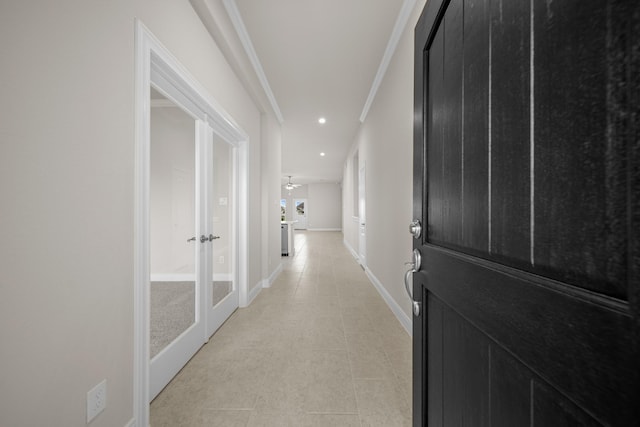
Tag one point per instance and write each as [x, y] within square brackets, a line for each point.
[318, 348]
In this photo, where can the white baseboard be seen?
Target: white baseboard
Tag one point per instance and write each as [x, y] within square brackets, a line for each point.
[131, 423]
[183, 277]
[266, 283]
[254, 293]
[324, 229]
[402, 317]
[353, 252]
[218, 277]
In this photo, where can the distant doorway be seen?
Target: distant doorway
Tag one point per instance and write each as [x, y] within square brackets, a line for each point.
[300, 214]
[362, 219]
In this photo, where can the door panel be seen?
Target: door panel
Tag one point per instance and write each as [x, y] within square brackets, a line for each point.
[451, 125]
[526, 180]
[176, 322]
[578, 342]
[466, 382]
[222, 285]
[573, 133]
[511, 381]
[509, 142]
[222, 282]
[435, 365]
[435, 155]
[550, 408]
[475, 186]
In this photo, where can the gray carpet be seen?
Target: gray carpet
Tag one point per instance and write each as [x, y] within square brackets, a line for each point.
[172, 310]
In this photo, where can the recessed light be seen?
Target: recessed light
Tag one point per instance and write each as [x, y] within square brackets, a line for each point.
[322, 154]
[322, 120]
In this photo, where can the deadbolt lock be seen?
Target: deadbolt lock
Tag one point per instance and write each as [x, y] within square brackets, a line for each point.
[415, 228]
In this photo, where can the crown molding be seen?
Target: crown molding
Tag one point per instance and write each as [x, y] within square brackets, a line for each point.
[396, 34]
[241, 30]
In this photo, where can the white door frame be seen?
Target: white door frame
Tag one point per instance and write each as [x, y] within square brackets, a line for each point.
[154, 63]
[362, 217]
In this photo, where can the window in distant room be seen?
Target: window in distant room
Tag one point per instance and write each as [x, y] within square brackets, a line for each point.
[283, 209]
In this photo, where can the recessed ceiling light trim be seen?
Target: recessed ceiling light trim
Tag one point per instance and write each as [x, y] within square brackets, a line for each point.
[322, 120]
[238, 24]
[398, 29]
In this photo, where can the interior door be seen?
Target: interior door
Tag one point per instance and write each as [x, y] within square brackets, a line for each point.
[177, 262]
[527, 187]
[221, 187]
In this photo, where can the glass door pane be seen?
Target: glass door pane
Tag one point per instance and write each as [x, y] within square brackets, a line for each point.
[222, 290]
[173, 249]
[223, 200]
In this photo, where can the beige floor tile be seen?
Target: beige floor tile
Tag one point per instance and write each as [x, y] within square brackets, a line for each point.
[276, 419]
[385, 421]
[382, 398]
[300, 354]
[368, 359]
[330, 420]
[221, 418]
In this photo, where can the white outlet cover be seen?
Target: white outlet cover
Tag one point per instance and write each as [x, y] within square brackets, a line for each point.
[96, 400]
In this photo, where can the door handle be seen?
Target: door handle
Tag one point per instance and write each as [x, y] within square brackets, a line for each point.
[415, 228]
[415, 265]
[204, 238]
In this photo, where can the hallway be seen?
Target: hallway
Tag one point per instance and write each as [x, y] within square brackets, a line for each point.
[318, 348]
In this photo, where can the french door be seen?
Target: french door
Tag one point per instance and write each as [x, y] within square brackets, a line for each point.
[192, 223]
[526, 281]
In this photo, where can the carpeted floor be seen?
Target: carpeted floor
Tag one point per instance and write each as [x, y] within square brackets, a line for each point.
[172, 310]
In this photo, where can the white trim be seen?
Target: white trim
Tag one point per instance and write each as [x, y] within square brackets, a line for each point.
[266, 283]
[243, 35]
[243, 222]
[253, 294]
[141, 229]
[131, 423]
[163, 103]
[216, 277]
[186, 277]
[153, 62]
[398, 29]
[353, 252]
[324, 229]
[402, 317]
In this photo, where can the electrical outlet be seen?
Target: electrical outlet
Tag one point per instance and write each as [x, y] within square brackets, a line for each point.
[96, 400]
[221, 259]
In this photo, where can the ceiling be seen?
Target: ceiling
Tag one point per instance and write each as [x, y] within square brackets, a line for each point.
[310, 59]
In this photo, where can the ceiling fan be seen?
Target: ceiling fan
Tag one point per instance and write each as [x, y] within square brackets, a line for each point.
[290, 186]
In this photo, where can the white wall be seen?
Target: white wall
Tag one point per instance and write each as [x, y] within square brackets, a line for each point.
[385, 146]
[324, 207]
[272, 165]
[66, 185]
